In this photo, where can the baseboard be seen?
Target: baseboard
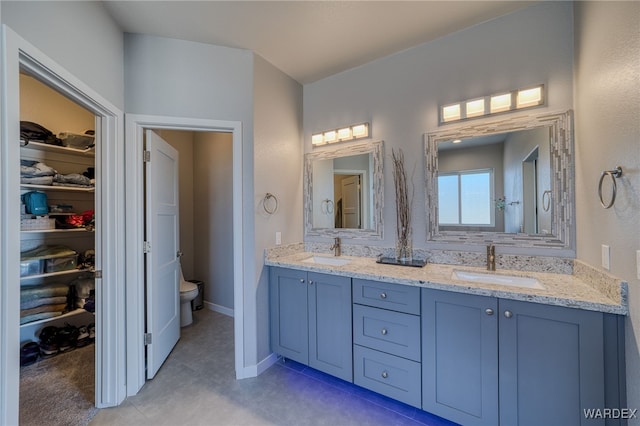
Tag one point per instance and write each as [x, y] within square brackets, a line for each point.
[219, 309]
[256, 370]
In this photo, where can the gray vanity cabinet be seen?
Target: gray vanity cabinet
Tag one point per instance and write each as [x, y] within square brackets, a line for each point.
[311, 320]
[386, 339]
[489, 361]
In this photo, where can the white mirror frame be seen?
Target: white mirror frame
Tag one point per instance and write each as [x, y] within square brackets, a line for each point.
[562, 237]
[376, 149]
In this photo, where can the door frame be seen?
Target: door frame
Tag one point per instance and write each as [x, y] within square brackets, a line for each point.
[110, 368]
[135, 124]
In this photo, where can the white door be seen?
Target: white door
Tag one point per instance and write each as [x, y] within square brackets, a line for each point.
[162, 258]
[351, 202]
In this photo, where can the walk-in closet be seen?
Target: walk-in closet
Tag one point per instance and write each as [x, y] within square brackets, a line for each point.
[57, 253]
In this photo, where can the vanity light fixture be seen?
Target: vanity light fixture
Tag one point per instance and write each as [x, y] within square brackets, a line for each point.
[493, 104]
[356, 131]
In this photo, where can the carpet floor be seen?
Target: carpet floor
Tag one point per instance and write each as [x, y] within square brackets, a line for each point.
[59, 390]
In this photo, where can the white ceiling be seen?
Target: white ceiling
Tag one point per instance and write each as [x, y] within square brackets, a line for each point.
[308, 40]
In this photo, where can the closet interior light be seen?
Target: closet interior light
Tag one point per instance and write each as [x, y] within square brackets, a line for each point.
[501, 102]
[356, 131]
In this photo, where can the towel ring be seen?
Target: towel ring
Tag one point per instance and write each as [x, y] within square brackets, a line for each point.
[546, 200]
[327, 206]
[613, 174]
[268, 197]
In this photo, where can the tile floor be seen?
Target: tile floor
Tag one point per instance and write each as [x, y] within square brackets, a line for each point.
[197, 386]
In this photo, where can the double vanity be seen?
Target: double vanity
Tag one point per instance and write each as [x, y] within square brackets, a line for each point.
[472, 346]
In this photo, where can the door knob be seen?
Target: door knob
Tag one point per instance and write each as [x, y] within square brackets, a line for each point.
[488, 311]
[383, 295]
[384, 374]
[302, 280]
[383, 331]
[508, 314]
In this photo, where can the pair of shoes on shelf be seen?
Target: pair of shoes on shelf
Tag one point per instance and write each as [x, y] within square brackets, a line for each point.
[67, 338]
[29, 353]
[49, 341]
[83, 336]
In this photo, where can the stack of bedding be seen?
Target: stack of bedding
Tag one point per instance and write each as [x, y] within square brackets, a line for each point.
[42, 302]
[38, 173]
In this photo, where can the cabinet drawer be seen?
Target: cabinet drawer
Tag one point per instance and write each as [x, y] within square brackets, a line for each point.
[392, 332]
[397, 297]
[389, 375]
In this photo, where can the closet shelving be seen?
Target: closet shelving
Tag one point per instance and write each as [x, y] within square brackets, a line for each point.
[67, 160]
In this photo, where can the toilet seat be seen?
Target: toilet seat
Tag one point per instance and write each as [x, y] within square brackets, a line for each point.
[186, 286]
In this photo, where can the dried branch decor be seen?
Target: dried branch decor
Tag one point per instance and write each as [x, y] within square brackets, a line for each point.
[404, 204]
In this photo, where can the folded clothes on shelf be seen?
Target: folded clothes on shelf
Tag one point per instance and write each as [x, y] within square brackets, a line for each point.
[35, 292]
[29, 168]
[34, 303]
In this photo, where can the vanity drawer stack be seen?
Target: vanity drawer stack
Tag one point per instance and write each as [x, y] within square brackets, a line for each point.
[386, 337]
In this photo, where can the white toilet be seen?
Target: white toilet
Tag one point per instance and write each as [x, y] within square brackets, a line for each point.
[188, 292]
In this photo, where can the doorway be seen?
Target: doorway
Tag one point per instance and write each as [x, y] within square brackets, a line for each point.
[19, 55]
[135, 127]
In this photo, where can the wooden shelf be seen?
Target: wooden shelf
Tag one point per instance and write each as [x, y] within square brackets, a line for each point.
[57, 188]
[89, 152]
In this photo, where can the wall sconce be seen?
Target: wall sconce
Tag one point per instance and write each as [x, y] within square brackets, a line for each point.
[493, 104]
[356, 131]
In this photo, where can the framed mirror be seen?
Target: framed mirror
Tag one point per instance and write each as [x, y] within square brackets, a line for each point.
[343, 191]
[508, 181]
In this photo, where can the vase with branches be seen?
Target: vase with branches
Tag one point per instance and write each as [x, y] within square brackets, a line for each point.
[404, 200]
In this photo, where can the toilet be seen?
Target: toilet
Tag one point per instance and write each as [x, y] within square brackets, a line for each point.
[188, 292]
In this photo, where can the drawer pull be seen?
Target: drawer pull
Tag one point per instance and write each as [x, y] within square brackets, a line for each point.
[302, 280]
[383, 331]
[508, 314]
[384, 374]
[383, 295]
[488, 311]
[310, 282]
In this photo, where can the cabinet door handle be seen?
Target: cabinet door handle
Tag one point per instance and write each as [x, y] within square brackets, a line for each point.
[383, 295]
[508, 314]
[383, 331]
[310, 282]
[384, 374]
[488, 311]
[302, 280]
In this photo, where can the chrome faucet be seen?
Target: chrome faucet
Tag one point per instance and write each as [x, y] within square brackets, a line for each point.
[336, 247]
[491, 257]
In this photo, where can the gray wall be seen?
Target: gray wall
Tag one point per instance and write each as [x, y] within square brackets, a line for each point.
[80, 36]
[278, 170]
[516, 148]
[213, 216]
[400, 94]
[607, 134]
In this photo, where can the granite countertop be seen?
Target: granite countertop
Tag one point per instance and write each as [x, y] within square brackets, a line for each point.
[584, 289]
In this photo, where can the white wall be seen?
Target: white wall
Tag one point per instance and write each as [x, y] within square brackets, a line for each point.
[607, 135]
[278, 170]
[80, 36]
[400, 94]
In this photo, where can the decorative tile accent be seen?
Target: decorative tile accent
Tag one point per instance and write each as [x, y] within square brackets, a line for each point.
[376, 149]
[562, 199]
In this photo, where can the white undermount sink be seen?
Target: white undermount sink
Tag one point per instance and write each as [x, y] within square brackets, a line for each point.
[498, 279]
[325, 260]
